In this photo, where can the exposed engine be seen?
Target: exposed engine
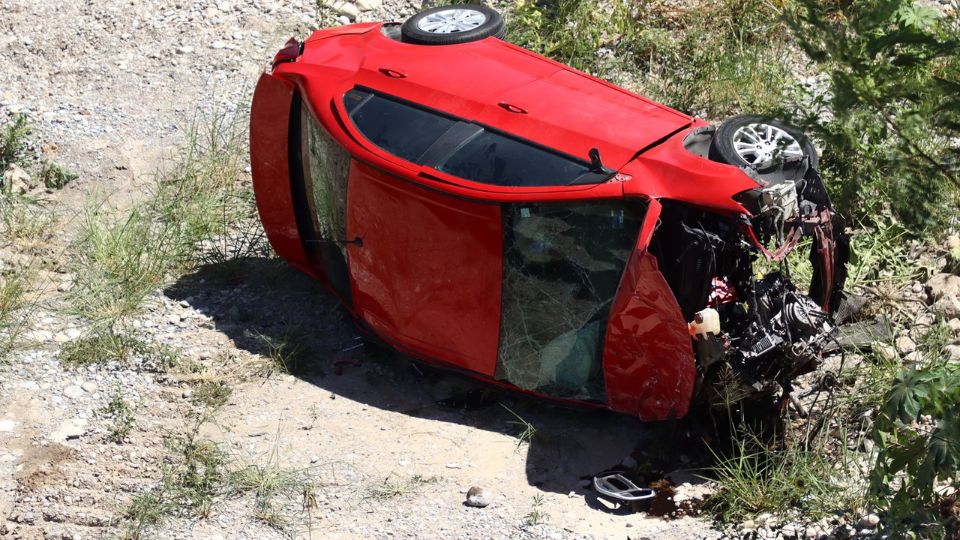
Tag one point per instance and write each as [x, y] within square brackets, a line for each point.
[754, 334]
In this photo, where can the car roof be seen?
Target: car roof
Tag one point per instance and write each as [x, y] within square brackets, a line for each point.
[498, 84]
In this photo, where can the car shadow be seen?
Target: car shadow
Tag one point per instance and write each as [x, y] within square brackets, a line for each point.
[267, 308]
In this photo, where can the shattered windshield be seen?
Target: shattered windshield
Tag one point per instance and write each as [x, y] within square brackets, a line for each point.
[562, 266]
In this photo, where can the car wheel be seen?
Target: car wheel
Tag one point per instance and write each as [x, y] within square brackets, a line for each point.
[449, 25]
[761, 143]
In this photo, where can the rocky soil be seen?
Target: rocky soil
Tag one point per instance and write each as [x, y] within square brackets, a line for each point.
[108, 86]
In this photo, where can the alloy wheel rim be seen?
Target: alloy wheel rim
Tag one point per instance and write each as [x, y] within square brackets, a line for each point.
[451, 21]
[761, 145]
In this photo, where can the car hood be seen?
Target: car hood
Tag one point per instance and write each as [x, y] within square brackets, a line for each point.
[506, 87]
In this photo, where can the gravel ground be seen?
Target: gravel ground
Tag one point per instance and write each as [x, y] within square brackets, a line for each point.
[108, 87]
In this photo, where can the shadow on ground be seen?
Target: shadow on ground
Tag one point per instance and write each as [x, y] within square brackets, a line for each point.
[268, 308]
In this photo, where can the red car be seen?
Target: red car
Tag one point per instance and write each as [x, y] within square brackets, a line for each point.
[481, 207]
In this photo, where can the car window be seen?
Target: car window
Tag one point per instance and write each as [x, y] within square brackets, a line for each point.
[403, 130]
[562, 264]
[491, 158]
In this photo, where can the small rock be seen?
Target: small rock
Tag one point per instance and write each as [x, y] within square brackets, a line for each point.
[885, 352]
[954, 325]
[187, 393]
[89, 387]
[953, 242]
[18, 180]
[69, 430]
[367, 5]
[186, 49]
[952, 352]
[790, 530]
[869, 521]
[477, 497]
[906, 345]
[348, 10]
[748, 525]
[73, 391]
[7, 425]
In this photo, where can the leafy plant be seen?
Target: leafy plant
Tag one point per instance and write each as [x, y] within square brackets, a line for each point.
[890, 114]
[55, 176]
[122, 416]
[918, 438]
[536, 515]
[13, 142]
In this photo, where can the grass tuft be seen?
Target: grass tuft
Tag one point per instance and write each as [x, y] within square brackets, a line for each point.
[122, 417]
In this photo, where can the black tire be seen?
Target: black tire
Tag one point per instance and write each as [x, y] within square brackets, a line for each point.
[722, 148]
[491, 26]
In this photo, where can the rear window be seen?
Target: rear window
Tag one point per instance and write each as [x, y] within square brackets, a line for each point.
[400, 129]
[460, 148]
[491, 158]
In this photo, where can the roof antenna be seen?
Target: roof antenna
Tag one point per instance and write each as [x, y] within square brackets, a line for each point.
[596, 165]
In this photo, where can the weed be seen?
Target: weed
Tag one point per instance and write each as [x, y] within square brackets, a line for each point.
[122, 416]
[13, 142]
[212, 395]
[55, 176]
[105, 346]
[528, 431]
[145, 510]
[270, 483]
[197, 475]
[25, 219]
[756, 478]
[13, 302]
[284, 353]
[392, 486]
[192, 215]
[536, 515]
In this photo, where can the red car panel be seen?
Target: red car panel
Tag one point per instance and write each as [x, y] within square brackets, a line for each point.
[428, 271]
[270, 164]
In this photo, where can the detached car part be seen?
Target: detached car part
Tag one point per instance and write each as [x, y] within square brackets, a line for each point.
[489, 210]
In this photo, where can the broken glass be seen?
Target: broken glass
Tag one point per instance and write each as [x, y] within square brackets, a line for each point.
[561, 268]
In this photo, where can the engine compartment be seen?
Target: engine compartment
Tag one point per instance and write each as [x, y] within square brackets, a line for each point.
[754, 330]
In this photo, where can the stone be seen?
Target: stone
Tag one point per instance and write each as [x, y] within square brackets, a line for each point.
[906, 345]
[18, 180]
[954, 325]
[942, 285]
[73, 391]
[7, 425]
[884, 351]
[69, 429]
[869, 521]
[348, 10]
[477, 497]
[89, 387]
[367, 5]
[952, 352]
[187, 393]
[791, 531]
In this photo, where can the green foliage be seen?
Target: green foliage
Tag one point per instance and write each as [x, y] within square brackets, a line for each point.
[55, 176]
[707, 58]
[122, 417]
[106, 346]
[756, 478]
[889, 119]
[200, 210]
[13, 142]
[212, 395]
[13, 303]
[918, 438]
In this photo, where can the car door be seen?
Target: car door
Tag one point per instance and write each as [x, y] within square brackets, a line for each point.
[424, 265]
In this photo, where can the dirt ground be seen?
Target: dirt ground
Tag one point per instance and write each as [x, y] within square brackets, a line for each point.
[108, 86]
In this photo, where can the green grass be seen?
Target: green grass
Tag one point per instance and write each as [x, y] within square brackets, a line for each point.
[14, 138]
[199, 210]
[105, 346]
[536, 515]
[211, 395]
[14, 306]
[121, 415]
[393, 486]
[527, 430]
[55, 176]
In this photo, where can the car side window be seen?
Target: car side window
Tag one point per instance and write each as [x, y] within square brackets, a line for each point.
[403, 130]
[562, 265]
[491, 158]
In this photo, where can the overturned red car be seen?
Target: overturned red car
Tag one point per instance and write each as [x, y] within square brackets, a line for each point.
[483, 208]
